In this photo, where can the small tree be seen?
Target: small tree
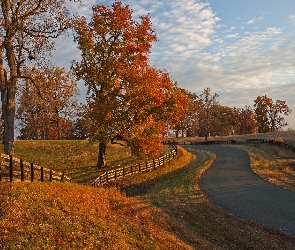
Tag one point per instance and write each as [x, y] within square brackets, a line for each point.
[246, 123]
[47, 103]
[188, 123]
[276, 120]
[268, 114]
[206, 118]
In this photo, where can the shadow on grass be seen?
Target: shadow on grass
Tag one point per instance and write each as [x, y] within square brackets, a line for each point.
[197, 221]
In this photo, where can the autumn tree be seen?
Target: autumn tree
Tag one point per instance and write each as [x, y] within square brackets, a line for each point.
[261, 109]
[152, 103]
[224, 120]
[188, 124]
[26, 31]
[276, 110]
[207, 105]
[246, 123]
[48, 103]
[125, 95]
[268, 114]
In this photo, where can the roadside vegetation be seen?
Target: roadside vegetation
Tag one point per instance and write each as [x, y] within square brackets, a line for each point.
[161, 209]
[272, 163]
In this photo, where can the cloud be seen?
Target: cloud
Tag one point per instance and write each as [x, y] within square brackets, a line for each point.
[235, 35]
[254, 20]
[291, 19]
[200, 50]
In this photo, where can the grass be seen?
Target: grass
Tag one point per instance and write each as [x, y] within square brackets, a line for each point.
[273, 163]
[77, 159]
[193, 218]
[161, 209]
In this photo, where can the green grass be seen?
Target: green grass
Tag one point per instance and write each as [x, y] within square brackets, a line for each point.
[77, 159]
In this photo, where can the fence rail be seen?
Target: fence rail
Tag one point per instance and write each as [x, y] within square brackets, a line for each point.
[12, 168]
[274, 142]
[140, 167]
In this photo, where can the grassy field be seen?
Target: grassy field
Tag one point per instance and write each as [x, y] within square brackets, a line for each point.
[77, 159]
[161, 209]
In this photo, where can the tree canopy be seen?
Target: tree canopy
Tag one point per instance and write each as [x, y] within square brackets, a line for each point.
[127, 98]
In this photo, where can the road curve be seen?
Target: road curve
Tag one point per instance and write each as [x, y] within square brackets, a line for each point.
[230, 183]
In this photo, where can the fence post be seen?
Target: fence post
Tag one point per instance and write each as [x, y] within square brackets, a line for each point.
[115, 174]
[32, 172]
[21, 170]
[10, 168]
[139, 167]
[123, 171]
[50, 175]
[42, 174]
[62, 177]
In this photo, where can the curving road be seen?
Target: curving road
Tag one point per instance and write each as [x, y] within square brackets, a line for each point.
[231, 184]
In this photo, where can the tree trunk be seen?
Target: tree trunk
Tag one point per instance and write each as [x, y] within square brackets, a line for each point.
[8, 93]
[101, 161]
[8, 112]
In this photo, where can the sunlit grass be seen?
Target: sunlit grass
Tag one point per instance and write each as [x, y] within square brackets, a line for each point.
[72, 216]
[167, 210]
[174, 191]
[273, 163]
[77, 159]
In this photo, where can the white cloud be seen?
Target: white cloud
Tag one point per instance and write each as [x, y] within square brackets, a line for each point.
[254, 20]
[235, 35]
[200, 50]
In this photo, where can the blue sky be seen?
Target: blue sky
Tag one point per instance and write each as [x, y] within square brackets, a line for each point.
[239, 49]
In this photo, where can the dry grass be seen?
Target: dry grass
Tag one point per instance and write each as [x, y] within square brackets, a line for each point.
[195, 220]
[167, 210]
[274, 164]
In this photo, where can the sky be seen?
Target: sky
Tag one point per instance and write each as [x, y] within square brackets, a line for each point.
[239, 49]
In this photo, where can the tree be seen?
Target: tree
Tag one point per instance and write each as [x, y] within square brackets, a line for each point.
[47, 103]
[152, 103]
[125, 95]
[277, 121]
[206, 119]
[246, 123]
[188, 123]
[224, 120]
[262, 105]
[26, 29]
[267, 114]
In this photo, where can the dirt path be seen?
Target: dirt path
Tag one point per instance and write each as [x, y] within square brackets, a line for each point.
[231, 184]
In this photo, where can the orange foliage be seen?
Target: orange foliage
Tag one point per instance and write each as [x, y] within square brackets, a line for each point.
[128, 98]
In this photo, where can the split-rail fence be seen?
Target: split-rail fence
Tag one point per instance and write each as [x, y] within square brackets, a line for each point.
[14, 169]
[114, 174]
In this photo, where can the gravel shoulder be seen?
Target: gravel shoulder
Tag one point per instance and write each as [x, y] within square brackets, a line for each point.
[231, 184]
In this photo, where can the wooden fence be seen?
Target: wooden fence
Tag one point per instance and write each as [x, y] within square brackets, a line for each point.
[278, 143]
[274, 142]
[12, 168]
[140, 167]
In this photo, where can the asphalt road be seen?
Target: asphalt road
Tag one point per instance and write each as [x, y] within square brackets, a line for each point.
[231, 184]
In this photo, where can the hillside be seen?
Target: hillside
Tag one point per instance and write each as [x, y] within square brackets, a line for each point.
[161, 209]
